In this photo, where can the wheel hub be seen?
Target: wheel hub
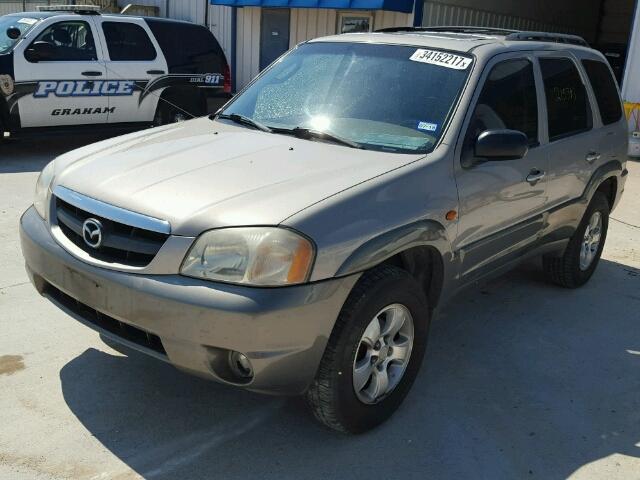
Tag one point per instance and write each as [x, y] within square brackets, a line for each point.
[591, 241]
[383, 354]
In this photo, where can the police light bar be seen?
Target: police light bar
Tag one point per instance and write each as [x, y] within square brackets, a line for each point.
[71, 8]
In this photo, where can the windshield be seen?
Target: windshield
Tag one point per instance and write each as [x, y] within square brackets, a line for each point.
[382, 97]
[22, 23]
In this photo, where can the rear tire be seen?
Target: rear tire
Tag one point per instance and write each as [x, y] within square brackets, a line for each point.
[581, 256]
[333, 397]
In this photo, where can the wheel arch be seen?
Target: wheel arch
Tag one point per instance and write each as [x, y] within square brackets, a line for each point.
[185, 97]
[605, 180]
[419, 248]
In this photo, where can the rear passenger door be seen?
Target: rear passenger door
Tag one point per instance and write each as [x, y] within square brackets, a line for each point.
[612, 135]
[573, 148]
[501, 202]
[133, 60]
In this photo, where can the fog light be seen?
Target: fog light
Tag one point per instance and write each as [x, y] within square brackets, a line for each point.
[240, 365]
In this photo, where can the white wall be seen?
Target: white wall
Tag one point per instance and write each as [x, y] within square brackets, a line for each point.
[248, 45]
[220, 25]
[308, 23]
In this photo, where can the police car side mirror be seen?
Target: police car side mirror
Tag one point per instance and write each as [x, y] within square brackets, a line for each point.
[39, 51]
[13, 33]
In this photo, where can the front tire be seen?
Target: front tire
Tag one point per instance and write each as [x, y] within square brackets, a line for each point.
[580, 259]
[374, 352]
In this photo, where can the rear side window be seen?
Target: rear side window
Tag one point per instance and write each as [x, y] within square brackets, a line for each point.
[188, 48]
[508, 101]
[568, 106]
[128, 42]
[605, 90]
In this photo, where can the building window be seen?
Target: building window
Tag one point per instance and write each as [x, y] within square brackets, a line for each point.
[350, 23]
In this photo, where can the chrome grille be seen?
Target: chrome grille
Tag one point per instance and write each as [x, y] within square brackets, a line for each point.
[122, 244]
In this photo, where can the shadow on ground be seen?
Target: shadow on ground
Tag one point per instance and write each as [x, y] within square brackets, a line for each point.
[521, 380]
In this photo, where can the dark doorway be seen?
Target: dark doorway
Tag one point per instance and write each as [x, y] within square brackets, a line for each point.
[274, 34]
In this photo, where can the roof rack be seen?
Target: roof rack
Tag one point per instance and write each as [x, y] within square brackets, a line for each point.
[80, 9]
[512, 35]
[451, 29]
[547, 37]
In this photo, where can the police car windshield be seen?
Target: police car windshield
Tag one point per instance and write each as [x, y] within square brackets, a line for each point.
[382, 97]
[22, 23]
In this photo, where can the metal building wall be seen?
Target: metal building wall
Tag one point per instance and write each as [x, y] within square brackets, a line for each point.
[567, 16]
[308, 23]
[7, 7]
[221, 26]
[248, 45]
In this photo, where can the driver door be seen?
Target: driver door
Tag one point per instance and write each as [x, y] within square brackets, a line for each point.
[66, 86]
[501, 202]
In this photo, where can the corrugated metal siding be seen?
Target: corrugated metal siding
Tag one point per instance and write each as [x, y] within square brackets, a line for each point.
[441, 13]
[308, 23]
[220, 25]
[29, 5]
[385, 19]
[161, 4]
[248, 46]
[189, 10]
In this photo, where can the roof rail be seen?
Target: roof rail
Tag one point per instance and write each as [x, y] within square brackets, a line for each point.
[451, 29]
[80, 9]
[513, 35]
[547, 37]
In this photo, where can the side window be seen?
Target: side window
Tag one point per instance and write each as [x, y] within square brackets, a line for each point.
[508, 101]
[568, 106]
[605, 89]
[70, 42]
[128, 42]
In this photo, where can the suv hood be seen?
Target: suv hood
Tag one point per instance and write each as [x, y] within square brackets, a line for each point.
[200, 175]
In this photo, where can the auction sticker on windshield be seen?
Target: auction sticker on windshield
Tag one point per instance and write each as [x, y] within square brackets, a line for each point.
[443, 59]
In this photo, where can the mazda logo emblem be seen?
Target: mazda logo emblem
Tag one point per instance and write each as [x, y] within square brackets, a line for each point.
[92, 232]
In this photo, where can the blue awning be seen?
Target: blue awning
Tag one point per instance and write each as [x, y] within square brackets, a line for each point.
[405, 6]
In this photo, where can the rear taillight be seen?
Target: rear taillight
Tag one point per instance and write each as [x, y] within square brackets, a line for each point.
[227, 79]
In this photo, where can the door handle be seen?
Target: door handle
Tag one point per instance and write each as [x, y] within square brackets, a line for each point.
[592, 157]
[155, 72]
[92, 74]
[535, 176]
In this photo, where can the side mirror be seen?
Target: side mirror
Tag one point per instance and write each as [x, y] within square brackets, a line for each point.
[39, 51]
[501, 145]
[13, 33]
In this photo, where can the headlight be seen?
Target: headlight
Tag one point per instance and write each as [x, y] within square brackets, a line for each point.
[263, 256]
[42, 189]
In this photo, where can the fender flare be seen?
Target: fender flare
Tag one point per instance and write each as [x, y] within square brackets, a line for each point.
[610, 169]
[424, 233]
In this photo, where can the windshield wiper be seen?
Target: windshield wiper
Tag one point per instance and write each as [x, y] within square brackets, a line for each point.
[308, 133]
[242, 120]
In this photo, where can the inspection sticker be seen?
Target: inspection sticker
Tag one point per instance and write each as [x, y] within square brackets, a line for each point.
[443, 59]
[429, 127]
[28, 21]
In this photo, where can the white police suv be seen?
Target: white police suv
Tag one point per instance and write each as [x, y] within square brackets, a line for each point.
[72, 66]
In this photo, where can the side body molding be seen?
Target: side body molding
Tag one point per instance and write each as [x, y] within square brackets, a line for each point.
[388, 244]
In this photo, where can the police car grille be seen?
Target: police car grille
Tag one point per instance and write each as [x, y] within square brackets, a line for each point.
[121, 244]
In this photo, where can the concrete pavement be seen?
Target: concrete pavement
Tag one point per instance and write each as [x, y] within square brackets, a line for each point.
[521, 380]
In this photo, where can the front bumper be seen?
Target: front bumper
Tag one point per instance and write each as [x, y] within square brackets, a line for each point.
[283, 331]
